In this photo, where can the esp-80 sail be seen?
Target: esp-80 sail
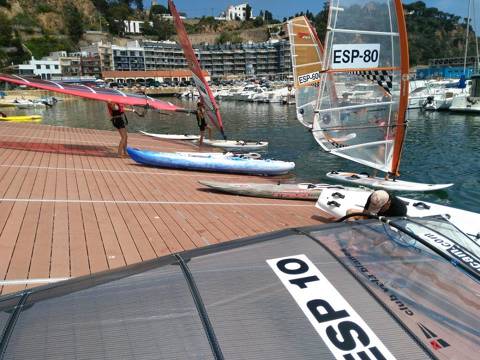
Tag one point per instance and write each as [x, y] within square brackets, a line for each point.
[366, 63]
[204, 91]
[307, 56]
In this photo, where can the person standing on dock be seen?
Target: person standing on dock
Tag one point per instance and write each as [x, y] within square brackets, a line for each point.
[202, 123]
[3, 115]
[120, 122]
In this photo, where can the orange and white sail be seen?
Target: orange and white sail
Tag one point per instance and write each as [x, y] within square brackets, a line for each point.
[366, 63]
[307, 56]
[204, 91]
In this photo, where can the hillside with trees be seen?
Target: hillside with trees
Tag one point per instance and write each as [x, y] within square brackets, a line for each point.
[36, 28]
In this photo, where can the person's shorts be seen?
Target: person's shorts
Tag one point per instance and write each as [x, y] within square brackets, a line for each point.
[118, 122]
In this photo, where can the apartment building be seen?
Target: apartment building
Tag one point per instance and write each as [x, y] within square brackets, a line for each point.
[45, 68]
[270, 59]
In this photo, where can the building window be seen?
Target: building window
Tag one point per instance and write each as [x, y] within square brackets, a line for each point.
[47, 67]
[38, 67]
[56, 67]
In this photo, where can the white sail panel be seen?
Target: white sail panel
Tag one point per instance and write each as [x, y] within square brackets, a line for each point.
[363, 62]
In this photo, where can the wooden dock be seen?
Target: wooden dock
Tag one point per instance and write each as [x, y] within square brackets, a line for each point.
[70, 207]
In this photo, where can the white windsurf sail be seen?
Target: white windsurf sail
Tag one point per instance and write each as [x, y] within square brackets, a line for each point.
[307, 56]
[366, 63]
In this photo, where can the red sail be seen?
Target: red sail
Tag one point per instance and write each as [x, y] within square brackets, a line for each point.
[206, 96]
[93, 93]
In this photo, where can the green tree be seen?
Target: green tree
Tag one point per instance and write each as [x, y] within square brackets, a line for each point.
[258, 22]
[5, 31]
[248, 12]
[139, 4]
[268, 17]
[320, 21]
[116, 15]
[158, 9]
[73, 22]
[162, 29]
[5, 4]
[229, 37]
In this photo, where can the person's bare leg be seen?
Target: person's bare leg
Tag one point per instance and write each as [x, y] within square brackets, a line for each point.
[200, 142]
[209, 133]
[123, 142]
[120, 144]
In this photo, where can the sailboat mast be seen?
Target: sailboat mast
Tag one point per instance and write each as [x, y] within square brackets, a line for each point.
[475, 24]
[404, 89]
[466, 40]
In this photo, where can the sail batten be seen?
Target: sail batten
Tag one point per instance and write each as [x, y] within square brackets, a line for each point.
[365, 65]
[360, 106]
[309, 64]
[364, 32]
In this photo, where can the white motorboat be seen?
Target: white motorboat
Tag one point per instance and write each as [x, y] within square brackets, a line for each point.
[27, 104]
[469, 102]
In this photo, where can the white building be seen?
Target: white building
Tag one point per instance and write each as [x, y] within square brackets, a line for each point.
[237, 12]
[134, 26]
[45, 68]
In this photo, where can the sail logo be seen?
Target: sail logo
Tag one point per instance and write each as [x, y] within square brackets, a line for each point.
[342, 329]
[457, 252]
[434, 340]
[355, 56]
[303, 35]
[309, 78]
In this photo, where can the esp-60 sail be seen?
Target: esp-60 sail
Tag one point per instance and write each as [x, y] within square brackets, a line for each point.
[204, 91]
[307, 56]
[366, 63]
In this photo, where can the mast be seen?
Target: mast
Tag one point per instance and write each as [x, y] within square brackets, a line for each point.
[467, 39]
[204, 91]
[475, 24]
[404, 89]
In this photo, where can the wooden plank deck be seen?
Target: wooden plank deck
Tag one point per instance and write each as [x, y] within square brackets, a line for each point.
[69, 207]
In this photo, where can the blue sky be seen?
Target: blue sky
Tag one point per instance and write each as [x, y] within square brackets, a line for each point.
[285, 8]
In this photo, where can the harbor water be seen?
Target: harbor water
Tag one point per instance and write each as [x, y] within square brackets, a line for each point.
[441, 147]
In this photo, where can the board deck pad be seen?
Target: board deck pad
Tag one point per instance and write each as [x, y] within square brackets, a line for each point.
[380, 183]
[237, 145]
[337, 202]
[171, 136]
[299, 191]
[216, 162]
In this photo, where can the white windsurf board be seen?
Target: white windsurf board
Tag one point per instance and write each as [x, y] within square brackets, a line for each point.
[380, 183]
[171, 136]
[337, 202]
